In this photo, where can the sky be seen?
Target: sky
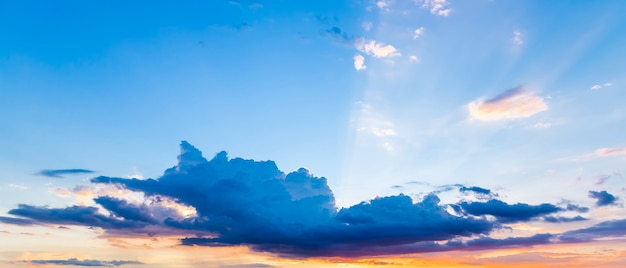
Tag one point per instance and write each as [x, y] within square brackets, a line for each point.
[358, 133]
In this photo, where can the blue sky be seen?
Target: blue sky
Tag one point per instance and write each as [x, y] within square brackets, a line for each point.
[379, 97]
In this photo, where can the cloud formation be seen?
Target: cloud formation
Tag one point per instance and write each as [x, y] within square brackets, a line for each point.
[598, 86]
[250, 203]
[88, 263]
[418, 32]
[517, 38]
[514, 103]
[359, 62]
[611, 151]
[59, 173]
[603, 198]
[436, 7]
[377, 49]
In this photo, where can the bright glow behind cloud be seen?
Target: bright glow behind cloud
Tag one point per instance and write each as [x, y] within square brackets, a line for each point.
[512, 104]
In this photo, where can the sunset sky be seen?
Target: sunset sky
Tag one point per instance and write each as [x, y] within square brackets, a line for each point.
[245, 133]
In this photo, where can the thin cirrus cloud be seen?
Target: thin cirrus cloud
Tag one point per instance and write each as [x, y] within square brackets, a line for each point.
[77, 262]
[59, 173]
[418, 32]
[293, 214]
[514, 103]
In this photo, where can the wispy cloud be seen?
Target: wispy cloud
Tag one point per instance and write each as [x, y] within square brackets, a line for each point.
[17, 186]
[359, 62]
[542, 125]
[514, 103]
[418, 32]
[383, 5]
[367, 25]
[59, 173]
[414, 58]
[599, 86]
[517, 38]
[436, 7]
[77, 262]
[611, 151]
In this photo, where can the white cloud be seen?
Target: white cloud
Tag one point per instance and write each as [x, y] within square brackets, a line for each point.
[359, 62]
[367, 25]
[17, 186]
[517, 38]
[414, 58]
[418, 32]
[378, 49]
[514, 103]
[597, 86]
[542, 125]
[436, 7]
[382, 4]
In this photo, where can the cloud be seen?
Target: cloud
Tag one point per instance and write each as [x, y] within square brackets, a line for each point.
[367, 25]
[603, 198]
[414, 58]
[598, 86]
[17, 221]
[240, 202]
[507, 213]
[89, 263]
[542, 125]
[359, 62]
[517, 38]
[611, 151]
[292, 214]
[418, 32]
[613, 228]
[59, 173]
[382, 4]
[436, 7]
[512, 104]
[17, 186]
[378, 49]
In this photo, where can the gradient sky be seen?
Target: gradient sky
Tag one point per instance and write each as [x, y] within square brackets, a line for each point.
[433, 133]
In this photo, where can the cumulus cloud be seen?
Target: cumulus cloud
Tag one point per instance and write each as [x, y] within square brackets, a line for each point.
[436, 7]
[377, 49]
[59, 173]
[603, 198]
[514, 103]
[418, 32]
[251, 203]
[359, 62]
[89, 263]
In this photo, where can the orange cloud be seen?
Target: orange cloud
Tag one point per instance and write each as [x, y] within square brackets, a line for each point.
[514, 103]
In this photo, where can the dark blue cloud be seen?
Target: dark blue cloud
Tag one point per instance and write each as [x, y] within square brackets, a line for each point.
[603, 198]
[614, 228]
[87, 263]
[252, 203]
[59, 173]
[475, 189]
[77, 215]
[559, 219]
[17, 221]
[507, 213]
